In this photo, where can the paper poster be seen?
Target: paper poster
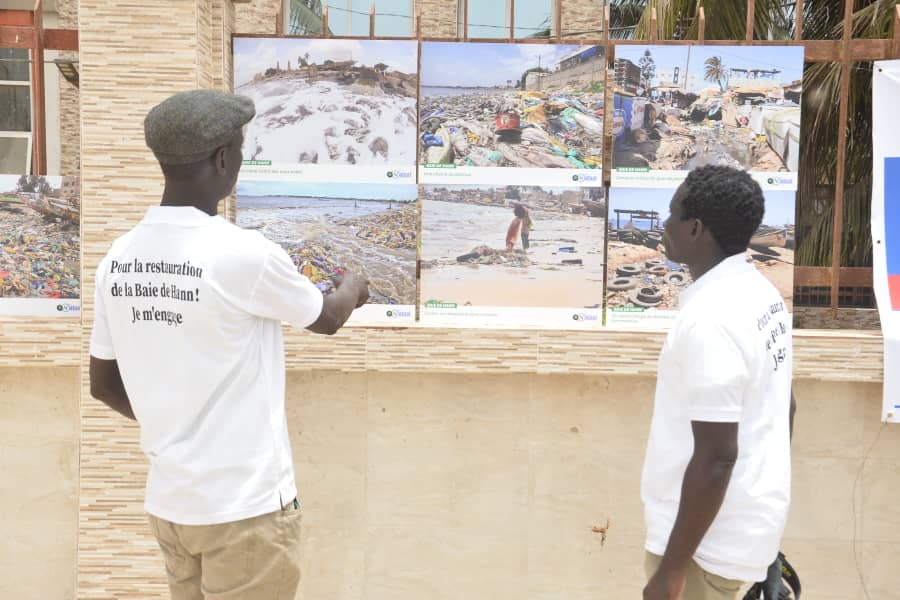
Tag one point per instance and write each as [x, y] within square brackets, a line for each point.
[886, 224]
[327, 229]
[512, 256]
[40, 246]
[681, 107]
[329, 109]
[642, 285]
[495, 113]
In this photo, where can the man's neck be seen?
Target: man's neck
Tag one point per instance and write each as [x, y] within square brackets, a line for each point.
[182, 195]
[704, 264]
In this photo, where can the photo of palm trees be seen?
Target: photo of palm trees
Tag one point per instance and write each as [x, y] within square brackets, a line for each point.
[681, 107]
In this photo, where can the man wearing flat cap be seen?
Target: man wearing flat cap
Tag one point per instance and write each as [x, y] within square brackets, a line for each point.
[187, 341]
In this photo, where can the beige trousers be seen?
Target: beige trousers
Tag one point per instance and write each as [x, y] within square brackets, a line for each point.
[252, 559]
[700, 584]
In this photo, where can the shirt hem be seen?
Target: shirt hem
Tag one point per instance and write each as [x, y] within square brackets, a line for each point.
[212, 518]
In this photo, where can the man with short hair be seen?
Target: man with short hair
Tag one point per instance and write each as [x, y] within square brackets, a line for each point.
[187, 341]
[717, 474]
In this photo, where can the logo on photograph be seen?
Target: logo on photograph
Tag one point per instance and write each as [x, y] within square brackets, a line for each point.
[67, 308]
[398, 314]
[584, 317]
[398, 174]
[780, 180]
[585, 178]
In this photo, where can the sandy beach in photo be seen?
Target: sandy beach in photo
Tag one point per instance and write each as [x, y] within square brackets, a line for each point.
[545, 276]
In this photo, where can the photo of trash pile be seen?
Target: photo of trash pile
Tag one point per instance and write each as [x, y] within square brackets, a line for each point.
[514, 113]
[678, 108]
[336, 102]
[640, 276]
[329, 229]
[40, 243]
[512, 246]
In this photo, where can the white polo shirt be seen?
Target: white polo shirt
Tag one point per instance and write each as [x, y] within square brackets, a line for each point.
[191, 308]
[727, 358]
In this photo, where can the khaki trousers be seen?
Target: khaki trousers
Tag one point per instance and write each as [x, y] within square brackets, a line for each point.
[252, 559]
[700, 584]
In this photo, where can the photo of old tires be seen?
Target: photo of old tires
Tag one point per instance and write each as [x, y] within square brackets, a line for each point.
[640, 278]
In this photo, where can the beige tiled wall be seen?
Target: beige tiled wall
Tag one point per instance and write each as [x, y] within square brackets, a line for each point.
[39, 482]
[439, 486]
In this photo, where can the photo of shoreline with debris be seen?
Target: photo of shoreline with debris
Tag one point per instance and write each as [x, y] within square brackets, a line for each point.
[681, 107]
[329, 102]
[326, 229]
[40, 239]
[511, 105]
[512, 246]
[641, 278]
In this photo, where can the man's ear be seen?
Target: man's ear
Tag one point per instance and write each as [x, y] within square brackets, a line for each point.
[697, 228]
[220, 158]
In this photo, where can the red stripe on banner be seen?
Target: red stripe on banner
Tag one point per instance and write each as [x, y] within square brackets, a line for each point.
[894, 291]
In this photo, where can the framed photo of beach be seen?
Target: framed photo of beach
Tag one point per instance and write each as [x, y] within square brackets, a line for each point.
[502, 113]
[329, 109]
[680, 107]
[40, 246]
[509, 256]
[332, 228]
[642, 285]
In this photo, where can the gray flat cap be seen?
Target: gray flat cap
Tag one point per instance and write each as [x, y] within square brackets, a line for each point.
[189, 126]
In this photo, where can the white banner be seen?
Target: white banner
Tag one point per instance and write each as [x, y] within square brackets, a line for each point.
[886, 224]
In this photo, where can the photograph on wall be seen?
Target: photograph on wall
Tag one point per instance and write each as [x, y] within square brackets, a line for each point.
[329, 229]
[40, 246]
[642, 285]
[329, 109]
[512, 256]
[681, 107]
[495, 113]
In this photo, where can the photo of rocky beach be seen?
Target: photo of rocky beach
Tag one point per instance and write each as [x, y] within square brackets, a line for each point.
[640, 276]
[329, 102]
[330, 228]
[512, 246]
[511, 105]
[681, 107]
[40, 240]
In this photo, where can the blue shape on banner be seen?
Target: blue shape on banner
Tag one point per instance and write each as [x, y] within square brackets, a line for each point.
[892, 227]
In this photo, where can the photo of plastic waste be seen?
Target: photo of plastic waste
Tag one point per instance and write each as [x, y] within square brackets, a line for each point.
[642, 285]
[327, 229]
[681, 107]
[511, 105]
[40, 244]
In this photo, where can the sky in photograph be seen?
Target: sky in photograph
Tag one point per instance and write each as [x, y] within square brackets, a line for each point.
[787, 59]
[779, 204]
[469, 64]
[255, 55]
[355, 191]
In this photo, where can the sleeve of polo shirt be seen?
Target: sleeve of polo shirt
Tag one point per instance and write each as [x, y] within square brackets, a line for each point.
[283, 294]
[715, 373]
[101, 339]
